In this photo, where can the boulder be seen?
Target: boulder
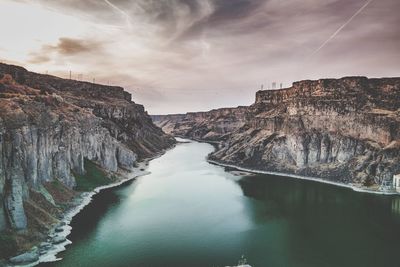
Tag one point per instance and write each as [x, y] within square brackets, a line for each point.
[27, 257]
[59, 239]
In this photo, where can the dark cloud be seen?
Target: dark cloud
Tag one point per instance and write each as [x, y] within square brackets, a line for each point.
[184, 49]
[231, 16]
[234, 9]
[196, 15]
[68, 46]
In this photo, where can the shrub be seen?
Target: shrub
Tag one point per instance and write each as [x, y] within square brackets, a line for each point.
[7, 79]
[8, 95]
[8, 245]
[93, 177]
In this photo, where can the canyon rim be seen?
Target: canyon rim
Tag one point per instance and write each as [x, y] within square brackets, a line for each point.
[199, 133]
[341, 130]
[57, 135]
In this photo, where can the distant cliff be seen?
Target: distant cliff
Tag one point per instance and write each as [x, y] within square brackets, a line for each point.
[50, 130]
[210, 126]
[345, 130]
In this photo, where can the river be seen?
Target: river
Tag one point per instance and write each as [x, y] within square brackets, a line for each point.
[190, 213]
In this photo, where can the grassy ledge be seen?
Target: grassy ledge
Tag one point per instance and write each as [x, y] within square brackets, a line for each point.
[93, 177]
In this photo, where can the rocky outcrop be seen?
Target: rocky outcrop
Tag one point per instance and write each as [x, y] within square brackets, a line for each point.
[210, 126]
[50, 126]
[26, 258]
[345, 130]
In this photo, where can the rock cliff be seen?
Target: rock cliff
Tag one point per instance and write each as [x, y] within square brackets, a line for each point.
[344, 130]
[49, 128]
[209, 126]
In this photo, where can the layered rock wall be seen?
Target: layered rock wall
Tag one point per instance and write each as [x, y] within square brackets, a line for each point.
[50, 126]
[203, 125]
[345, 130]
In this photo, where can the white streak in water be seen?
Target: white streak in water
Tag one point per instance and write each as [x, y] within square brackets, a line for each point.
[342, 27]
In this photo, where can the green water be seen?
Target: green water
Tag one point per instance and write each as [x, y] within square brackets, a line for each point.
[191, 213]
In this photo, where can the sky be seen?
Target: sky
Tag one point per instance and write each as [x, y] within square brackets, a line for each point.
[176, 56]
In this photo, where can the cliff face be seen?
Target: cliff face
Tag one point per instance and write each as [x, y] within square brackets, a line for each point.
[210, 126]
[49, 128]
[344, 130]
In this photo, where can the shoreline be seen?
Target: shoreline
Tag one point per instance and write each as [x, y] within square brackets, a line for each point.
[308, 178]
[82, 201]
[295, 176]
[54, 247]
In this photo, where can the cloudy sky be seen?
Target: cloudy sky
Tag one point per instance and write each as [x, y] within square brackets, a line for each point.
[191, 55]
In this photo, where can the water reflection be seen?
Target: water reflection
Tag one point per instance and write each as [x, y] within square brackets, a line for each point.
[190, 213]
[396, 206]
[90, 217]
[327, 225]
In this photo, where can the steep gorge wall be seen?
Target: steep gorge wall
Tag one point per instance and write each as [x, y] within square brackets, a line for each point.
[209, 125]
[345, 130]
[50, 126]
[39, 151]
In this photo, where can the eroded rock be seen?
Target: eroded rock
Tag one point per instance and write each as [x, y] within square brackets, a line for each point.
[345, 130]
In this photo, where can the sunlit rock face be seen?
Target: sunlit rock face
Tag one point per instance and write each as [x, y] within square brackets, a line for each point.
[50, 126]
[345, 130]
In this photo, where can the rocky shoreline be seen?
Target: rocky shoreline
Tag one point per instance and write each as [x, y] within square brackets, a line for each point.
[345, 131]
[356, 188]
[57, 241]
[313, 179]
[60, 137]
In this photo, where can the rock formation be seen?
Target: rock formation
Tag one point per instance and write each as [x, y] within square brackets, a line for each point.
[344, 130]
[209, 126]
[49, 127]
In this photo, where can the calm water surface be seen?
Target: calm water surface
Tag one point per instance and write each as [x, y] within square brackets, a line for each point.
[189, 213]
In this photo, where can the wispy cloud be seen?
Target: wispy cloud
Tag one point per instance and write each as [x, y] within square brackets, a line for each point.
[342, 27]
[123, 13]
[181, 55]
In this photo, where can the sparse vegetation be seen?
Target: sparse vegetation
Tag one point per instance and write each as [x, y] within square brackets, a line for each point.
[93, 177]
[7, 79]
[9, 85]
[8, 244]
[8, 95]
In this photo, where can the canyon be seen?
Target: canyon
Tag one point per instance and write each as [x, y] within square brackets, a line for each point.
[53, 133]
[62, 137]
[341, 130]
